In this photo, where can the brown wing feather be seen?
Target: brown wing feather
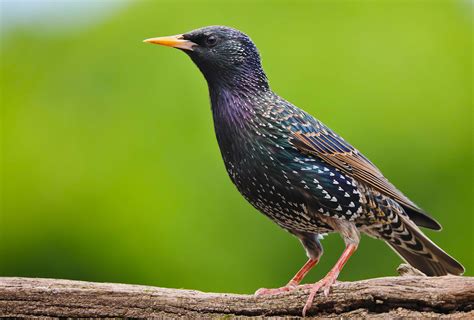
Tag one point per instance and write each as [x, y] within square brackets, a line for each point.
[350, 162]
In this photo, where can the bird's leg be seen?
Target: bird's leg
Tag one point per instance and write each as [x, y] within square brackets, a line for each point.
[294, 282]
[331, 277]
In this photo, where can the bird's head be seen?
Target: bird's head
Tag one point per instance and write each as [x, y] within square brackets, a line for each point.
[224, 55]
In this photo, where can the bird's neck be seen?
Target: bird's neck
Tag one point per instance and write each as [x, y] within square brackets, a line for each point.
[234, 109]
[246, 78]
[232, 90]
[232, 112]
[235, 104]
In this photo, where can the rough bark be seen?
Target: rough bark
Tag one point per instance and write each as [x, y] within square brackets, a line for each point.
[380, 298]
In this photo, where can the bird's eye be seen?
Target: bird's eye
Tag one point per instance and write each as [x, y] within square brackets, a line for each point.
[211, 41]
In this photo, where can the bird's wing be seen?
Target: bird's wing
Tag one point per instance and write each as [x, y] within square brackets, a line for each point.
[312, 137]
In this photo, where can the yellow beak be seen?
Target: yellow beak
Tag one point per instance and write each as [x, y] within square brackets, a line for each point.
[176, 41]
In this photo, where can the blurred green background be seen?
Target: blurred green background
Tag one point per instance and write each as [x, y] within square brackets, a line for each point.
[111, 171]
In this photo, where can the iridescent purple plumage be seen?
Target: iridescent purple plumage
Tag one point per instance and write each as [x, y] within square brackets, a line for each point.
[297, 171]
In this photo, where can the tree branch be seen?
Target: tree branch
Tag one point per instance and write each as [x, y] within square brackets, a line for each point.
[408, 296]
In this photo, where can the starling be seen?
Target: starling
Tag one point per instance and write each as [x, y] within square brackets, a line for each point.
[297, 171]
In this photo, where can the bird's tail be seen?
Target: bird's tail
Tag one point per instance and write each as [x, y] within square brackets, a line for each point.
[419, 251]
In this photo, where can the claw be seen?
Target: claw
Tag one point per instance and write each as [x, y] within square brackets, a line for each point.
[326, 283]
[264, 291]
[326, 291]
[294, 282]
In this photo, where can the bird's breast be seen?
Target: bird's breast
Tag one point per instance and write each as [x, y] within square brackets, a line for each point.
[263, 171]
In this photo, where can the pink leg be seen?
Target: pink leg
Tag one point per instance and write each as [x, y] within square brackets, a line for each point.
[294, 282]
[330, 278]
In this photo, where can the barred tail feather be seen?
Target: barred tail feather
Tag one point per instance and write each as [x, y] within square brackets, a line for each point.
[445, 264]
[420, 252]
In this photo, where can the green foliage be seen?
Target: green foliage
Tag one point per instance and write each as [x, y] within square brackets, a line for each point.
[111, 171]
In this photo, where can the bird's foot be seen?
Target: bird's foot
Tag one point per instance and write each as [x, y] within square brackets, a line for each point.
[325, 284]
[289, 287]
